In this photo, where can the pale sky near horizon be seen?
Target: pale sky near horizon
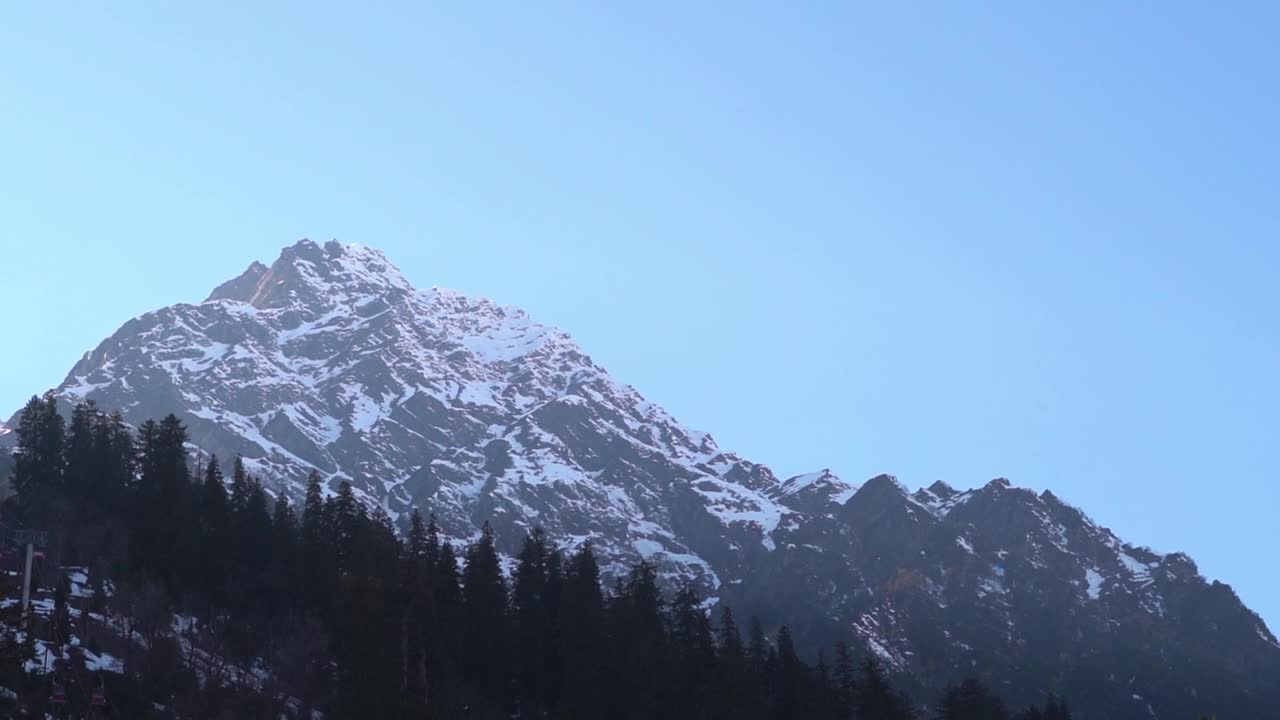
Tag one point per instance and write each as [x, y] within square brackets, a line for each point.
[936, 240]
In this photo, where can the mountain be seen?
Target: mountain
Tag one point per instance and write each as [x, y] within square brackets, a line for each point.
[330, 360]
[942, 581]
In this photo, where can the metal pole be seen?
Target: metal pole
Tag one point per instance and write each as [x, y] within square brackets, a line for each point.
[26, 579]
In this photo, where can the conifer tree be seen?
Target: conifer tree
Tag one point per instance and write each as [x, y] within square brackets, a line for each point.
[239, 498]
[531, 619]
[215, 529]
[583, 650]
[431, 545]
[693, 650]
[447, 581]
[971, 700]
[417, 609]
[757, 651]
[255, 525]
[284, 525]
[444, 673]
[553, 597]
[347, 514]
[97, 474]
[733, 692]
[98, 588]
[318, 557]
[369, 623]
[283, 556]
[62, 610]
[729, 640]
[484, 603]
[15, 651]
[416, 547]
[820, 695]
[1056, 709]
[116, 474]
[213, 494]
[39, 461]
[82, 453]
[165, 534]
[788, 681]
[638, 625]
[843, 681]
[874, 697]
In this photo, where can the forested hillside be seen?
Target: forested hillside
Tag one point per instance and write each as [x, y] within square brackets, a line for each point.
[177, 591]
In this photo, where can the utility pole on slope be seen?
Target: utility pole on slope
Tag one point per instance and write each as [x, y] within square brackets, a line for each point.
[26, 540]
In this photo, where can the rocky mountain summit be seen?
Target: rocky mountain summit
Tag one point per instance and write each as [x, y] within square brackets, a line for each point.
[331, 361]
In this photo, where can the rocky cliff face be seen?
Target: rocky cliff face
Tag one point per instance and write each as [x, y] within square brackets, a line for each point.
[1025, 588]
[329, 360]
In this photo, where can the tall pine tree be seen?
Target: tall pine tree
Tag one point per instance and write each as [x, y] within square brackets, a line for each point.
[39, 463]
[484, 597]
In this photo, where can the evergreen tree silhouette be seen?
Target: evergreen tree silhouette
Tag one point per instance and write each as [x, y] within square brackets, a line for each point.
[531, 618]
[874, 697]
[484, 605]
[583, 642]
[971, 700]
[39, 461]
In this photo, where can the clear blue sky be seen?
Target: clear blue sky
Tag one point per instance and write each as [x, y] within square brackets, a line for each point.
[938, 240]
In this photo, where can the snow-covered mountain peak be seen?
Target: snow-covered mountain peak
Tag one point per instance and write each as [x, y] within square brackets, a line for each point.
[329, 360]
[311, 278]
[814, 492]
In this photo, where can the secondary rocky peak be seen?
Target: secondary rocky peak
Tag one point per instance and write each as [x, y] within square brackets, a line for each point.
[882, 501]
[241, 287]
[1000, 502]
[814, 492]
[880, 486]
[941, 490]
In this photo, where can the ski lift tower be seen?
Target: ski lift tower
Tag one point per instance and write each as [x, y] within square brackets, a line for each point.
[26, 539]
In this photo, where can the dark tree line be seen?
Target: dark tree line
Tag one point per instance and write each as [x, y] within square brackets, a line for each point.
[284, 611]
